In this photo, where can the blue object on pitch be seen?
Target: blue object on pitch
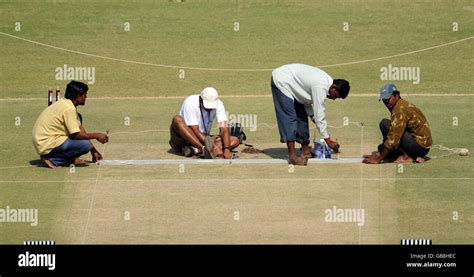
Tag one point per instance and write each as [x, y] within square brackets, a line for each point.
[327, 151]
[322, 150]
[318, 150]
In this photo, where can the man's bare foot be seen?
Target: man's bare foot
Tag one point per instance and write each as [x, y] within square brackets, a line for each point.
[419, 160]
[374, 154]
[298, 161]
[48, 163]
[402, 159]
[79, 162]
[307, 153]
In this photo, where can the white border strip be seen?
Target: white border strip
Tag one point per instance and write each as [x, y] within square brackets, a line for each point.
[222, 161]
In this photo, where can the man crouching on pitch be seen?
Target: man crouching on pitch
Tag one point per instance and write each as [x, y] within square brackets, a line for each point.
[406, 136]
[190, 130]
[58, 135]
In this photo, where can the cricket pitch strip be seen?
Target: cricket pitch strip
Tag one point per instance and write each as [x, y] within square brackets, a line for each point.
[222, 161]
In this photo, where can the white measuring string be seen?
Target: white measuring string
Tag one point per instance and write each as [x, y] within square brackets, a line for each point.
[91, 204]
[226, 69]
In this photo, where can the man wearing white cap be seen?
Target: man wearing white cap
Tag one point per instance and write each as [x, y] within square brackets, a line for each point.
[190, 130]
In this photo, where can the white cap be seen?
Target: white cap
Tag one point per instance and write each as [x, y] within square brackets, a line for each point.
[209, 98]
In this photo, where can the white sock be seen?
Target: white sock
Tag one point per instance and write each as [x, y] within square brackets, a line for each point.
[195, 150]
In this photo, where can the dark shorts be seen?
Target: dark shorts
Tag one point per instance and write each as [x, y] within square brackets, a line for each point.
[291, 117]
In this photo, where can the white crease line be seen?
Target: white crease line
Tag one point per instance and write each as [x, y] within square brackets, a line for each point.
[224, 162]
[20, 166]
[138, 132]
[45, 181]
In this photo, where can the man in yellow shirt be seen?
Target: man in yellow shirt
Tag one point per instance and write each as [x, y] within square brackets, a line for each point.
[58, 135]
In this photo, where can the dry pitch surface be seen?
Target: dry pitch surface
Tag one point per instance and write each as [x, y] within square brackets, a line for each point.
[236, 203]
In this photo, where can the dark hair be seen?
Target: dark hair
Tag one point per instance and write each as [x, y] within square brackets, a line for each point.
[342, 87]
[395, 93]
[75, 89]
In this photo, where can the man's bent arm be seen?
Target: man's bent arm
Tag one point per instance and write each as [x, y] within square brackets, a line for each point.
[319, 107]
[201, 136]
[224, 132]
[225, 136]
[83, 135]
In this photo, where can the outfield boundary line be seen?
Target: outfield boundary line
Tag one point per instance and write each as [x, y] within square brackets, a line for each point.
[227, 69]
[175, 97]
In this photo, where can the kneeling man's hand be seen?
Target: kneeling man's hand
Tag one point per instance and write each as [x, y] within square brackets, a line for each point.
[96, 156]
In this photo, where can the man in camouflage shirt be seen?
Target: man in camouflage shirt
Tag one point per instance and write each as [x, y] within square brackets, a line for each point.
[407, 136]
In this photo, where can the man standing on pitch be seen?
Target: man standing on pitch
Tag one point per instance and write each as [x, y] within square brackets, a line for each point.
[300, 91]
[58, 135]
[190, 130]
[406, 136]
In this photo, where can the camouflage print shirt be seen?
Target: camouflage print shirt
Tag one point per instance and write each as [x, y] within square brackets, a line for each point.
[407, 117]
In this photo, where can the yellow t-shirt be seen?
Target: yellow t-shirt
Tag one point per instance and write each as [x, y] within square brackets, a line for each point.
[54, 125]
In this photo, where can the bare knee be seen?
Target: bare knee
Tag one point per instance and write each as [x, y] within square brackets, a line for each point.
[177, 120]
[234, 142]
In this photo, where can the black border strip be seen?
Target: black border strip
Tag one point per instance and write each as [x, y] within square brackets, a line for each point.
[240, 258]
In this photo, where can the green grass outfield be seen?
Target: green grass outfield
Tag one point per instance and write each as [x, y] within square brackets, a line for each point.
[158, 204]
